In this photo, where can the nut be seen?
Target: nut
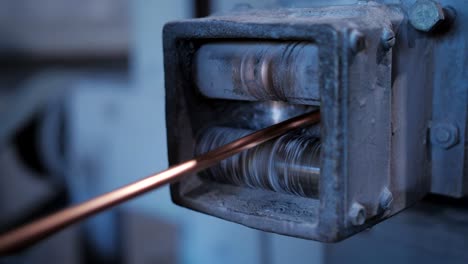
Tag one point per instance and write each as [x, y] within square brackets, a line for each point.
[425, 15]
[357, 214]
[444, 135]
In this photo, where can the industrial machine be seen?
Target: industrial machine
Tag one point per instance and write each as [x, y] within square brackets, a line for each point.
[313, 122]
[392, 120]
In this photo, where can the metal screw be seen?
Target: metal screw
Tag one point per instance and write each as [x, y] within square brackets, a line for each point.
[425, 15]
[357, 214]
[386, 199]
[444, 135]
[387, 38]
[357, 41]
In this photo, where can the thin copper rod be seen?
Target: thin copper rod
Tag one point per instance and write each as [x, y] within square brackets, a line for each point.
[28, 234]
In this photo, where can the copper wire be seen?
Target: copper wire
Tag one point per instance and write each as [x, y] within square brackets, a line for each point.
[33, 232]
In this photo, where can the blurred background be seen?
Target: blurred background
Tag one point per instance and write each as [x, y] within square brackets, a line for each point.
[82, 112]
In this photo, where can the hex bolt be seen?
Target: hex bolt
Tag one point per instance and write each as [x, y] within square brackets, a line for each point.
[357, 41]
[357, 214]
[426, 15]
[386, 199]
[444, 135]
[387, 39]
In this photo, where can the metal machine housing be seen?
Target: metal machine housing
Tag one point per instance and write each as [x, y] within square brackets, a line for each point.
[363, 179]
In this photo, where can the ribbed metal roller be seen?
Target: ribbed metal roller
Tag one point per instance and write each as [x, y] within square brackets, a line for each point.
[288, 164]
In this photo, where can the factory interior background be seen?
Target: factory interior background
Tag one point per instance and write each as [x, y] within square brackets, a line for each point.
[82, 111]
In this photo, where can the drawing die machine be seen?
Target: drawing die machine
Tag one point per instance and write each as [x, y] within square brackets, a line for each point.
[389, 84]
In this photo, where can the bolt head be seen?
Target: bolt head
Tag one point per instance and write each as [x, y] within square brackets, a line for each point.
[387, 38]
[357, 214]
[444, 135]
[357, 41]
[425, 15]
[386, 199]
